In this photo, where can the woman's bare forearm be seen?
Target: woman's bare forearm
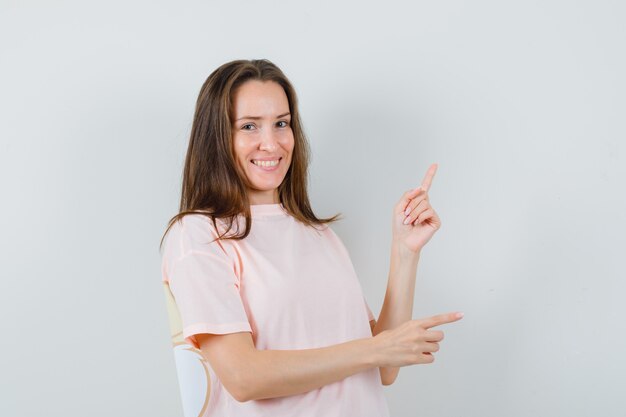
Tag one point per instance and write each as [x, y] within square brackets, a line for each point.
[279, 373]
[398, 304]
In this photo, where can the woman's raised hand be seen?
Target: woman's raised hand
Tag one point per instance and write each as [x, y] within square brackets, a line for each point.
[414, 219]
[412, 342]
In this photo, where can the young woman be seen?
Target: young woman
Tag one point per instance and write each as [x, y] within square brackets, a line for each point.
[265, 289]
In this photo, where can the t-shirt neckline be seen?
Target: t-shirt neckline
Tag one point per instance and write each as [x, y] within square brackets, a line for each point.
[268, 210]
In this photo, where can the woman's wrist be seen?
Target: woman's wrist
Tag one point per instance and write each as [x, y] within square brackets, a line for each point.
[401, 252]
[372, 352]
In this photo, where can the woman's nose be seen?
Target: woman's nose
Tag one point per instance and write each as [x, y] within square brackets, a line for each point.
[268, 141]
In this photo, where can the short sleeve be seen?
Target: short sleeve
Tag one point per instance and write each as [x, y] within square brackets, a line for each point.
[370, 315]
[206, 288]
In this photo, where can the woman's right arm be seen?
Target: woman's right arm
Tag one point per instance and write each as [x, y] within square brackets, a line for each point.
[251, 374]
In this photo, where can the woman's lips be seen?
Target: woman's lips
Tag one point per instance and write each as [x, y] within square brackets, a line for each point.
[267, 168]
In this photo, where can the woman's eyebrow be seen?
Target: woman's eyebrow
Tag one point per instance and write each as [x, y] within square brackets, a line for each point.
[258, 117]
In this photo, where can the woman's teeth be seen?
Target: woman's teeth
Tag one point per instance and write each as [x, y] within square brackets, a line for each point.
[265, 163]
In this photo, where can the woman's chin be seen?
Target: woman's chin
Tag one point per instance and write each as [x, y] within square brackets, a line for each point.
[265, 186]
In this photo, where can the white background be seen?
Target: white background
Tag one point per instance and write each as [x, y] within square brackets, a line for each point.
[521, 104]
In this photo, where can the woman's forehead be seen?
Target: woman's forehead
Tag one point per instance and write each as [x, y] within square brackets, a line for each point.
[255, 99]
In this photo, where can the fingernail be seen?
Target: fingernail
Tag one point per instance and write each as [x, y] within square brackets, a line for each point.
[459, 315]
[407, 211]
[406, 221]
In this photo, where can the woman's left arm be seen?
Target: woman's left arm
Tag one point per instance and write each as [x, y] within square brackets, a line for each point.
[414, 223]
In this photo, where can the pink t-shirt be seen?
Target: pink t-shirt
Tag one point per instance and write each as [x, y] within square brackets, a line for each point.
[291, 286]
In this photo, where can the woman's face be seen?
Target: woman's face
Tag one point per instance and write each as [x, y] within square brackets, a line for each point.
[262, 137]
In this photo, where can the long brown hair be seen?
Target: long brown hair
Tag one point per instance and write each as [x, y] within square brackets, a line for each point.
[213, 185]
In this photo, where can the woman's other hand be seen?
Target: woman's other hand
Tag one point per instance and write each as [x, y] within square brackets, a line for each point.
[414, 219]
[413, 342]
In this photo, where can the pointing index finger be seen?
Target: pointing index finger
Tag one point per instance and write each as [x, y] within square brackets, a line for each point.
[440, 319]
[428, 178]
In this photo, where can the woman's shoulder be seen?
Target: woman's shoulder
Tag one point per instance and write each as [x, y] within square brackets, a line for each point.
[325, 229]
[334, 239]
[191, 232]
[193, 224]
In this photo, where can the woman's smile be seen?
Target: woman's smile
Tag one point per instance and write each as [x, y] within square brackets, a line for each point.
[266, 165]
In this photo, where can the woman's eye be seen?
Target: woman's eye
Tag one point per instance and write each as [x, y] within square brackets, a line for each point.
[244, 127]
[285, 123]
